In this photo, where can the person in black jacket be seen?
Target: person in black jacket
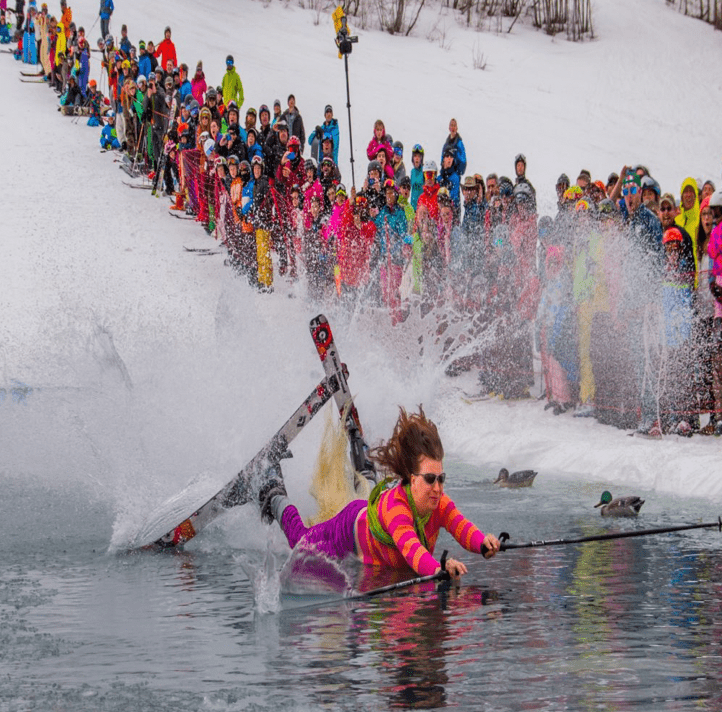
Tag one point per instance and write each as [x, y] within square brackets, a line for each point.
[275, 147]
[520, 172]
[293, 119]
[155, 113]
[230, 144]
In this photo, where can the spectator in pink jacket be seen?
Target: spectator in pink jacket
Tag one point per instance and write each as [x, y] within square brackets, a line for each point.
[379, 139]
[198, 84]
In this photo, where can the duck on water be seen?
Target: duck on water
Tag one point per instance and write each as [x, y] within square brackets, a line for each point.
[620, 507]
[522, 478]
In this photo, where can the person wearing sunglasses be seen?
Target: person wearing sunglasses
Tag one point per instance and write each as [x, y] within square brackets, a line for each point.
[644, 226]
[400, 522]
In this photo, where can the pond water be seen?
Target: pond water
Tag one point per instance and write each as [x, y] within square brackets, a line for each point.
[618, 625]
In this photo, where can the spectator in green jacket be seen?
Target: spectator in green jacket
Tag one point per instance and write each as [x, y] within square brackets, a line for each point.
[231, 85]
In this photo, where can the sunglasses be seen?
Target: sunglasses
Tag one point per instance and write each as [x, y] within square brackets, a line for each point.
[630, 191]
[432, 479]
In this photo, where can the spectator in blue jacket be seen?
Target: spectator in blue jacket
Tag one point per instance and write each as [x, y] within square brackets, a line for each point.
[454, 142]
[108, 136]
[125, 45]
[145, 66]
[328, 129]
[186, 88]
[106, 10]
[450, 179]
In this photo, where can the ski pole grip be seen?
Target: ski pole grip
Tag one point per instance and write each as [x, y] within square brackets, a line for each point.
[444, 575]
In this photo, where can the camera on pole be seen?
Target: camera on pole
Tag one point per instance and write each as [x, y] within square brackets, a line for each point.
[344, 41]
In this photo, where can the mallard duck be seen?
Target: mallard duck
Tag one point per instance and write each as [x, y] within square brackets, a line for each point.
[620, 507]
[523, 478]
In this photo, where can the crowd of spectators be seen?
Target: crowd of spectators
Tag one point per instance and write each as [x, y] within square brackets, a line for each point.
[620, 292]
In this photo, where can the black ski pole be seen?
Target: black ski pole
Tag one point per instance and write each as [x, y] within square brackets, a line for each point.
[504, 536]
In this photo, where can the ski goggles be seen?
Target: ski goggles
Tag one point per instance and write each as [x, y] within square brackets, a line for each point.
[632, 190]
[432, 479]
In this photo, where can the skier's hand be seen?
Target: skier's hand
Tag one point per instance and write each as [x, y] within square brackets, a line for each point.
[490, 546]
[455, 568]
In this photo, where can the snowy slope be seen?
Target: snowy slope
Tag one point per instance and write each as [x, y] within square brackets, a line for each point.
[165, 365]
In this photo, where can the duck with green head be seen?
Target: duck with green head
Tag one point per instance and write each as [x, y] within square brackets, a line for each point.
[620, 507]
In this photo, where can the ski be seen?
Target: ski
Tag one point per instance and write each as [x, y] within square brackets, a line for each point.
[181, 215]
[240, 489]
[135, 185]
[323, 339]
[132, 172]
[203, 250]
[32, 74]
[203, 253]
[32, 81]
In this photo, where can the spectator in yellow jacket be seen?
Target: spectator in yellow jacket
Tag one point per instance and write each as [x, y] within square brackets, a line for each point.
[60, 45]
[688, 217]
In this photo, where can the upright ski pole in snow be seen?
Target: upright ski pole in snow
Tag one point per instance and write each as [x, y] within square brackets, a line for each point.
[345, 43]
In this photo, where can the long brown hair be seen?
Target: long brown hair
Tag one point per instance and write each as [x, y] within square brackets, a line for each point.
[414, 436]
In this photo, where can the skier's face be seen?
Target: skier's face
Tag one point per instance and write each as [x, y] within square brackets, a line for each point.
[426, 496]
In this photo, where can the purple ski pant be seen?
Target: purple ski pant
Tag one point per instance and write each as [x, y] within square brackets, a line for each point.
[335, 537]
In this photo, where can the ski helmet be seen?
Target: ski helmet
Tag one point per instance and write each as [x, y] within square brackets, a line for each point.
[430, 167]
[715, 200]
[648, 183]
[229, 60]
[141, 79]
[374, 166]
[418, 148]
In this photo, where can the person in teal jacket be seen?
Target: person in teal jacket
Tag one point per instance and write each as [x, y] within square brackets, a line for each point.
[417, 174]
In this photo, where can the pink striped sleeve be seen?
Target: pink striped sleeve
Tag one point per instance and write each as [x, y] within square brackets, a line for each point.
[464, 531]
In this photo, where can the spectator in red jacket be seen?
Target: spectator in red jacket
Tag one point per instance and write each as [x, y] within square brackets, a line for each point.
[166, 51]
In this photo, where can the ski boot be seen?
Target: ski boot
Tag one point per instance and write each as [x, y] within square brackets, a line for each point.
[273, 486]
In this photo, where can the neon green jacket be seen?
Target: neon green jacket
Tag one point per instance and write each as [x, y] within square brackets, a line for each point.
[232, 87]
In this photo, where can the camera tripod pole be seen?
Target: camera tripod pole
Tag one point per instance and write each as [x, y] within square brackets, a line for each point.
[348, 106]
